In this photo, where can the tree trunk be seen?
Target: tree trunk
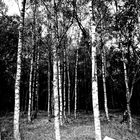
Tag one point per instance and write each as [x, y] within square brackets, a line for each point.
[75, 88]
[56, 99]
[37, 83]
[37, 72]
[68, 74]
[55, 86]
[64, 84]
[32, 69]
[127, 93]
[49, 86]
[95, 102]
[30, 88]
[60, 92]
[18, 73]
[104, 82]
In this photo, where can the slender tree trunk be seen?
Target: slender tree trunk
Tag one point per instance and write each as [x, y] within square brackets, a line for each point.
[55, 84]
[56, 99]
[34, 9]
[30, 88]
[49, 87]
[127, 93]
[64, 84]
[68, 74]
[37, 83]
[37, 73]
[60, 93]
[95, 101]
[32, 68]
[104, 82]
[75, 99]
[18, 73]
[52, 94]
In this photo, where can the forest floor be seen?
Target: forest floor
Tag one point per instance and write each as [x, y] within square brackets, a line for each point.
[81, 128]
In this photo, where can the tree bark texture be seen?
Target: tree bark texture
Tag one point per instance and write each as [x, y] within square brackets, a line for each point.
[18, 73]
[104, 82]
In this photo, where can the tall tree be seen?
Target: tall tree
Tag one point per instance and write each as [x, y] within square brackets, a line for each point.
[64, 83]
[95, 102]
[125, 27]
[68, 75]
[76, 82]
[55, 81]
[18, 72]
[49, 82]
[56, 98]
[104, 79]
[59, 75]
[30, 82]
[32, 64]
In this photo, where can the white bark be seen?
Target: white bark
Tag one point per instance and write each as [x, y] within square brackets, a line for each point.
[55, 90]
[56, 101]
[60, 93]
[64, 83]
[18, 74]
[49, 93]
[104, 82]
[30, 92]
[75, 99]
[95, 101]
[127, 93]
[17, 90]
[68, 73]
[37, 75]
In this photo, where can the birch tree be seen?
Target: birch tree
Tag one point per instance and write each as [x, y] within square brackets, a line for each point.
[125, 38]
[56, 98]
[49, 84]
[76, 83]
[127, 92]
[68, 75]
[18, 72]
[104, 79]
[95, 102]
[59, 73]
[32, 61]
[55, 84]
[64, 86]
[30, 83]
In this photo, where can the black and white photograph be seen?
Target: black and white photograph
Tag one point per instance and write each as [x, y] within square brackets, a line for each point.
[69, 69]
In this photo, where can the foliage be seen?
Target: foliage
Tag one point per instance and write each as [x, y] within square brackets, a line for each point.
[8, 47]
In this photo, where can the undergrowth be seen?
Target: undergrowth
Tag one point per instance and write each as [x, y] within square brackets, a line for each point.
[81, 128]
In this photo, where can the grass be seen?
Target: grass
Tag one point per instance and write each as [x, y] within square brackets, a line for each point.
[81, 128]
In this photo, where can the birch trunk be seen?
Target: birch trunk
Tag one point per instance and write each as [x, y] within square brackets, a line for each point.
[30, 88]
[56, 99]
[104, 82]
[16, 132]
[127, 93]
[68, 73]
[95, 102]
[37, 82]
[75, 88]
[49, 87]
[64, 84]
[37, 71]
[60, 92]
[32, 74]
[55, 86]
